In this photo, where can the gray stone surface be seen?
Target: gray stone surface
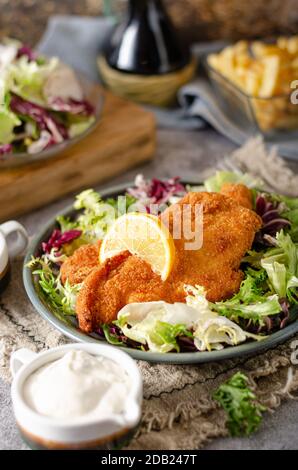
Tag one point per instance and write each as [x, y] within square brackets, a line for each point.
[185, 154]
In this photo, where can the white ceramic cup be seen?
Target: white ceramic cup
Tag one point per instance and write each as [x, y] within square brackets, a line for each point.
[14, 248]
[42, 432]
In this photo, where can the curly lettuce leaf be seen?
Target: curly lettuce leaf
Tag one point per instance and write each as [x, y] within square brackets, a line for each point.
[157, 324]
[66, 223]
[253, 287]
[289, 211]
[28, 77]
[62, 297]
[98, 215]
[164, 336]
[215, 183]
[281, 266]
[277, 274]
[8, 121]
[241, 405]
[256, 311]
[252, 301]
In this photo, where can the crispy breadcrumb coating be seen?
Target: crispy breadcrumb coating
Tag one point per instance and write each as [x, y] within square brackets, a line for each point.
[228, 232]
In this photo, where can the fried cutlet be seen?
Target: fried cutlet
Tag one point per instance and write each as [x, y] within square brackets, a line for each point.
[77, 267]
[239, 193]
[228, 232]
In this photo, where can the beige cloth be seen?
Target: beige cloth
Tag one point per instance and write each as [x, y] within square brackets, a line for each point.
[178, 411]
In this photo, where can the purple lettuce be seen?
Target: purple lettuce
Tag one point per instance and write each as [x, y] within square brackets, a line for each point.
[115, 336]
[5, 148]
[72, 106]
[156, 191]
[43, 119]
[58, 239]
[26, 51]
[273, 222]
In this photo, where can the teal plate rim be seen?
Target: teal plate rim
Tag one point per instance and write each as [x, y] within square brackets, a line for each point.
[73, 332]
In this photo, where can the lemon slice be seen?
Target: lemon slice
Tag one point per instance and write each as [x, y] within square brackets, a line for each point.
[142, 235]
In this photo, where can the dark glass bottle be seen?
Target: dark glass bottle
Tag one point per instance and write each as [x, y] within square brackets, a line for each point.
[145, 42]
[4, 278]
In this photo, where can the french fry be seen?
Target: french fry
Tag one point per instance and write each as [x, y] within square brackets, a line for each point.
[270, 76]
[264, 72]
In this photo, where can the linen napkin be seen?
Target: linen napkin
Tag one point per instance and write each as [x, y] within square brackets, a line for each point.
[77, 40]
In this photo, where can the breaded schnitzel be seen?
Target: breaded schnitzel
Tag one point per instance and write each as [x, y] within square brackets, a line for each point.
[77, 267]
[114, 284]
[228, 231]
[239, 193]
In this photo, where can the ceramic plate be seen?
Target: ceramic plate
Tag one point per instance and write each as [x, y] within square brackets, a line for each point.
[69, 325]
[94, 95]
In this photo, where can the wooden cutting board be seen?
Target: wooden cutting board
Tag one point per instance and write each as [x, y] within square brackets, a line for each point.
[124, 138]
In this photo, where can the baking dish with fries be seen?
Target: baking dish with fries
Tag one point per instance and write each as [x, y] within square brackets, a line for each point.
[255, 82]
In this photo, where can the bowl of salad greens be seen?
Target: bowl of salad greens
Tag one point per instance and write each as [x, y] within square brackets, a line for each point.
[263, 313]
[45, 106]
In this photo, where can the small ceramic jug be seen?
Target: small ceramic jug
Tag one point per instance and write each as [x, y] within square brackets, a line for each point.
[10, 249]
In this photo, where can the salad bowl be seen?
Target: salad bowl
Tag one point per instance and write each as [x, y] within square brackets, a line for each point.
[94, 95]
[45, 105]
[68, 324]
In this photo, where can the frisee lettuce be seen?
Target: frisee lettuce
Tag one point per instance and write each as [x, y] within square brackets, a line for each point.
[212, 330]
[97, 215]
[241, 405]
[255, 311]
[253, 300]
[156, 325]
[215, 183]
[62, 297]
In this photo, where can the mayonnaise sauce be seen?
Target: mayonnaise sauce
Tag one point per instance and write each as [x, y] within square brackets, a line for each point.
[77, 385]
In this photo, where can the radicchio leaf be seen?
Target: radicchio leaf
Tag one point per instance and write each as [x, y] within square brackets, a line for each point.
[272, 221]
[26, 51]
[156, 191]
[5, 148]
[43, 119]
[57, 239]
[72, 106]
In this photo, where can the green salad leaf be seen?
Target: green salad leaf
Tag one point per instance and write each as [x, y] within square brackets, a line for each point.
[253, 287]
[241, 405]
[66, 223]
[157, 324]
[256, 312]
[215, 183]
[111, 339]
[164, 335]
[8, 120]
[281, 266]
[62, 297]
[251, 302]
[27, 78]
[289, 211]
[77, 128]
[96, 214]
